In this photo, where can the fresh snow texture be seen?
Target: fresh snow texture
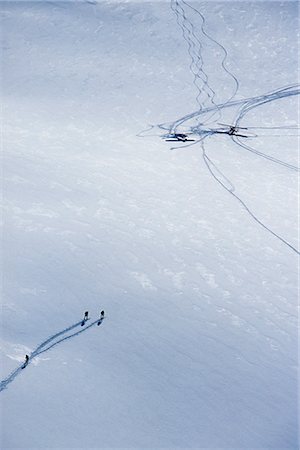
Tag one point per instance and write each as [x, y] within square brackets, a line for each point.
[191, 252]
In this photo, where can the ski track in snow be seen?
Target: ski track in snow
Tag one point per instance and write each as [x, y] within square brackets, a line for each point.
[202, 128]
[40, 349]
[190, 36]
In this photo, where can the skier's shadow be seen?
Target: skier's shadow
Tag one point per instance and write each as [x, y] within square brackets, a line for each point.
[44, 347]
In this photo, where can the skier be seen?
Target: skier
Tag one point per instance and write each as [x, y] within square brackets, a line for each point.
[232, 131]
[85, 318]
[182, 137]
[101, 318]
[26, 361]
[179, 136]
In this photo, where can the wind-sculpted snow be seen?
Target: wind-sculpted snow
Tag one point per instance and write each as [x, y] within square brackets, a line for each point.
[41, 349]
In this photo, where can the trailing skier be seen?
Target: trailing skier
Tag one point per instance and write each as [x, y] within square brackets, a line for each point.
[26, 362]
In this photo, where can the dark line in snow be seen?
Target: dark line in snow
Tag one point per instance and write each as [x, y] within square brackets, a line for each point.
[209, 164]
[237, 133]
[40, 349]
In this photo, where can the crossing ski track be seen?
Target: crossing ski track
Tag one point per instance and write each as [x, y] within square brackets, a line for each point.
[202, 128]
[195, 46]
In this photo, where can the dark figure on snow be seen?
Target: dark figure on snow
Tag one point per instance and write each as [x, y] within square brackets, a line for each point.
[232, 131]
[100, 318]
[180, 136]
[86, 315]
[26, 362]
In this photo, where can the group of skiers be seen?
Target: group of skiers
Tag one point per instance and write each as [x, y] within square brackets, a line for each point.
[86, 315]
[85, 318]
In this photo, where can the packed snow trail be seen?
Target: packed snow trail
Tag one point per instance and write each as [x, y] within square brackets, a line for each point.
[40, 349]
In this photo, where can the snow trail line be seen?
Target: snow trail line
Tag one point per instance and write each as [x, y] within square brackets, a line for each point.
[70, 336]
[196, 65]
[209, 164]
[195, 42]
[203, 115]
[36, 351]
[245, 104]
[40, 349]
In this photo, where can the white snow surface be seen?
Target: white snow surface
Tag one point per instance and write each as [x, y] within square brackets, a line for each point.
[198, 348]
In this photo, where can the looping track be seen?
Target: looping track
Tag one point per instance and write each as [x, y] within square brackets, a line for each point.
[209, 108]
